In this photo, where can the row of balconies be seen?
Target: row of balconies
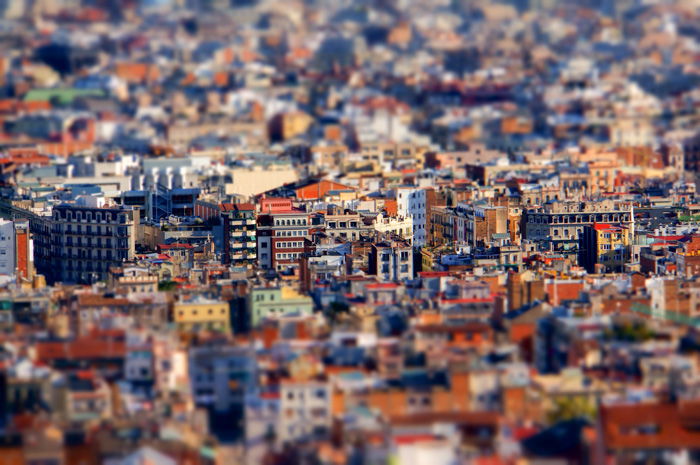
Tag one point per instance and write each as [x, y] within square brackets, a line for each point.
[87, 234]
[241, 222]
[243, 245]
[244, 232]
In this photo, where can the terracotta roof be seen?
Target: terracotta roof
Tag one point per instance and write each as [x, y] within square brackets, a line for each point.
[445, 328]
[382, 286]
[467, 301]
[411, 438]
[237, 206]
[87, 347]
[433, 274]
[175, 246]
[651, 426]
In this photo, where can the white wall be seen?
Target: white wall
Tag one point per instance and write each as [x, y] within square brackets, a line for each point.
[411, 201]
[7, 247]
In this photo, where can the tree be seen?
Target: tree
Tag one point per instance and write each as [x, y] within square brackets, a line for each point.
[167, 285]
[335, 309]
[568, 408]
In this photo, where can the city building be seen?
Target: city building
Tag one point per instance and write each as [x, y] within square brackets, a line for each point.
[79, 244]
[283, 236]
[411, 203]
[305, 410]
[240, 234]
[391, 260]
[275, 302]
[604, 245]
[561, 223]
[200, 314]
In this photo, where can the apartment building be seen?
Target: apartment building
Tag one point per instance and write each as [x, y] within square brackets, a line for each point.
[221, 376]
[274, 302]
[346, 225]
[392, 153]
[240, 234]
[199, 314]
[79, 244]
[305, 409]
[605, 246]
[283, 236]
[391, 260]
[394, 226]
[563, 222]
[411, 203]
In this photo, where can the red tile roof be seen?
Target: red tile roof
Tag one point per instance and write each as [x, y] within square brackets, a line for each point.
[237, 207]
[175, 246]
[433, 274]
[382, 286]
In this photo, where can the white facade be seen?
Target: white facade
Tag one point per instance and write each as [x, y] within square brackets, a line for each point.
[410, 202]
[400, 226]
[657, 293]
[427, 451]
[305, 409]
[7, 247]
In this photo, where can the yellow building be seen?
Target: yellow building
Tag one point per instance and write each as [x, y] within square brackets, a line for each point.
[605, 247]
[202, 314]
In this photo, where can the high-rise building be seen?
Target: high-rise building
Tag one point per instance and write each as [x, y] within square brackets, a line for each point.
[240, 234]
[411, 203]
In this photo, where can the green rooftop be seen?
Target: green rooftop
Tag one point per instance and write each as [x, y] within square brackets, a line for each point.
[63, 96]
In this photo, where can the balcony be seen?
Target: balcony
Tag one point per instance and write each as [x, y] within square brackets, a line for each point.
[242, 222]
[244, 256]
[243, 240]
